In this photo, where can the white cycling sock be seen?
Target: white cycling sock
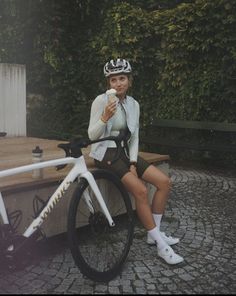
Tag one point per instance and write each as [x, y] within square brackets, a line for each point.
[156, 236]
[157, 218]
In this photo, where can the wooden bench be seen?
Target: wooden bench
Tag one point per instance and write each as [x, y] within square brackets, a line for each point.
[20, 190]
[193, 135]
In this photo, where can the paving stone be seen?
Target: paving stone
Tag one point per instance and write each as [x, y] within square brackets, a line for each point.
[186, 277]
[101, 288]
[114, 283]
[37, 283]
[200, 211]
[151, 287]
[113, 290]
[164, 280]
[127, 290]
[142, 275]
[139, 283]
[140, 291]
[50, 272]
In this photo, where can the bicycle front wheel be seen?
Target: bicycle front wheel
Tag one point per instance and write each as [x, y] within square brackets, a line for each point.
[98, 249]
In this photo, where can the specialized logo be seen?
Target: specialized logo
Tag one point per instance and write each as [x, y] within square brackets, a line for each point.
[57, 198]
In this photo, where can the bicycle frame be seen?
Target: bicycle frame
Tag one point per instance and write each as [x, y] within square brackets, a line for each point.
[79, 170]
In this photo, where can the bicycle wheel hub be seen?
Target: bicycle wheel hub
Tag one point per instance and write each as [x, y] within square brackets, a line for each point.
[98, 223]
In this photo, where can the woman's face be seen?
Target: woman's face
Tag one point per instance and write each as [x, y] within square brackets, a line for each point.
[120, 83]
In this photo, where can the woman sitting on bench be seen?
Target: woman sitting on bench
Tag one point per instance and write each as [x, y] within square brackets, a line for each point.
[109, 114]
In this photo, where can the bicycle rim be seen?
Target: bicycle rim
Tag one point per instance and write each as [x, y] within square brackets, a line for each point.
[98, 249]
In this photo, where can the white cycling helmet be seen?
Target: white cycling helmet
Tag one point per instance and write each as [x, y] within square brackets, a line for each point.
[116, 67]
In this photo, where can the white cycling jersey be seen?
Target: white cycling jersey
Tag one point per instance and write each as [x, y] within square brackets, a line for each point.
[127, 116]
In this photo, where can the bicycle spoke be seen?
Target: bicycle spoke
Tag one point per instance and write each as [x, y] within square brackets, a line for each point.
[99, 249]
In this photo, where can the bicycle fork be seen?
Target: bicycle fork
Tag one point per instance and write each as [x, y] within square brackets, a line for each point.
[89, 177]
[3, 212]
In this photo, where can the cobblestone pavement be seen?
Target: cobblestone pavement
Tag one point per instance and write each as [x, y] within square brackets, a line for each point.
[201, 212]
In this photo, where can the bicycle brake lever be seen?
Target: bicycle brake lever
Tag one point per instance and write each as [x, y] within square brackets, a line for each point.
[66, 148]
[123, 136]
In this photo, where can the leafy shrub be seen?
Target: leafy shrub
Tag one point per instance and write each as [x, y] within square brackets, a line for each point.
[182, 53]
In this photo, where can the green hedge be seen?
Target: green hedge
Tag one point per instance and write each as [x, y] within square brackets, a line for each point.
[199, 61]
[182, 52]
[184, 58]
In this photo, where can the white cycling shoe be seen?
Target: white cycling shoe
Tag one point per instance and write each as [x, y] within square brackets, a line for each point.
[170, 257]
[168, 239]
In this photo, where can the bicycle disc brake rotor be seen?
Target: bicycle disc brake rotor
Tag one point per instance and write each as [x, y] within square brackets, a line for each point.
[98, 223]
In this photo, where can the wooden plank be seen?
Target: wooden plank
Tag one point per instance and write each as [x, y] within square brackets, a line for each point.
[204, 125]
[187, 145]
[154, 157]
[17, 151]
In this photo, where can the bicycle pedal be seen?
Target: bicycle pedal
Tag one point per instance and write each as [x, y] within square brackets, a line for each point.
[17, 261]
[14, 244]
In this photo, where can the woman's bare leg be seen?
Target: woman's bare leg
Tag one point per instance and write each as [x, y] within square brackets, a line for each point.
[163, 184]
[136, 187]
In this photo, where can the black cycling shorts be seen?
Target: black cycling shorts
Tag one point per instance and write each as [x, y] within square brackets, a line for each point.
[122, 165]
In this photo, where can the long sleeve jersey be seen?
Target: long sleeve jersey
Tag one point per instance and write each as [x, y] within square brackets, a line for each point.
[127, 115]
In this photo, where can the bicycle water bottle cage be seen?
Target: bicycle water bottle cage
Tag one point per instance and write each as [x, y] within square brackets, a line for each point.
[38, 205]
[15, 219]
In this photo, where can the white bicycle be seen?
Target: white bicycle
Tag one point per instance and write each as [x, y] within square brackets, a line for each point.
[100, 218]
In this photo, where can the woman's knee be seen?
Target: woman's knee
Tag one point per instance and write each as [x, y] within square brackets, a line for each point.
[164, 184]
[141, 193]
[135, 186]
[157, 178]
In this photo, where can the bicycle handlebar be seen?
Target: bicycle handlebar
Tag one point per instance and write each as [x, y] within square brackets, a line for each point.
[73, 148]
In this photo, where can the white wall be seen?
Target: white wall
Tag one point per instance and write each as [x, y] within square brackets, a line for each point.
[13, 99]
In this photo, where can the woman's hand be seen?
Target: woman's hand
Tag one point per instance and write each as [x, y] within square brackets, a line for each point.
[109, 111]
[133, 170]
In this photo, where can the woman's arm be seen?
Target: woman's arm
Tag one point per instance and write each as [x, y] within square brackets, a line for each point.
[96, 125]
[134, 140]
[101, 112]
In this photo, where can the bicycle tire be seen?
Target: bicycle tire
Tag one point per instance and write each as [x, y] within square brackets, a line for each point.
[98, 249]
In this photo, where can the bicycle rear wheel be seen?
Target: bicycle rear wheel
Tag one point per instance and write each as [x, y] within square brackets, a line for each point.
[98, 249]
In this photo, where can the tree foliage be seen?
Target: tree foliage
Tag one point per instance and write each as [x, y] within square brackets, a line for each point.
[199, 69]
[182, 53]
